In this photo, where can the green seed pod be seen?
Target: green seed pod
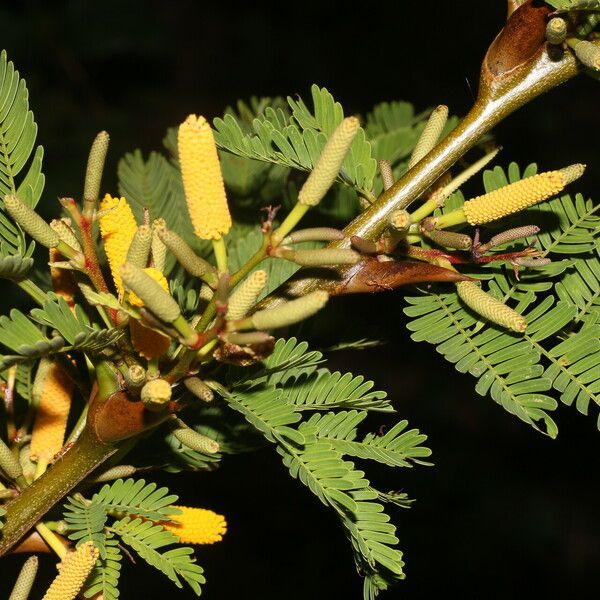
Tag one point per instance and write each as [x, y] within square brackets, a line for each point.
[321, 257]
[314, 234]
[572, 172]
[387, 176]
[139, 249]
[155, 299]
[556, 31]
[117, 472]
[290, 312]
[489, 308]
[188, 259]
[31, 222]
[588, 53]
[329, 163]
[95, 168]
[450, 239]
[197, 387]
[25, 580]
[65, 232]
[196, 441]
[9, 464]
[156, 395]
[158, 248]
[245, 295]
[400, 220]
[431, 134]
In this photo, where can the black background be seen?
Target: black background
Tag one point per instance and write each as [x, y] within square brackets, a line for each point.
[505, 511]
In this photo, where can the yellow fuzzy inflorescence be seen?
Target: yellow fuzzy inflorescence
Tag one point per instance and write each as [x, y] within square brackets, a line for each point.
[146, 341]
[202, 179]
[513, 198]
[197, 526]
[489, 307]
[51, 417]
[117, 226]
[74, 570]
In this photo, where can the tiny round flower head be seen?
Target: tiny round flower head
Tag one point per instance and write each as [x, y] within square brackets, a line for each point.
[197, 526]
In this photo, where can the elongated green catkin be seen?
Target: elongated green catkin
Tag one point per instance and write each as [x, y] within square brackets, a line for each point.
[95, 168]
[450, 239]
[158, 248]
[196, 441]
[314, 234]
[488, 307]
[155, 299]
[510, 235]
[387, 176]
[290, 312]
[320, 257]
[24, 582]
[245, 295]
[329, 163]
[431, 134]
[65, 232]
[9, 464]
[189, 260]
[587, 52]
[117, 472]
[197, 387]
[31, 222]
[74, 570]
[139, 249]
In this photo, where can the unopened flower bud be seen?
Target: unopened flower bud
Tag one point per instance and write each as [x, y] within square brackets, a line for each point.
[314, 234]
[556, 31]
[9, 464]
[24, 582]
[450, 239]
[588, 53]
[197, 387]
[135, 376]
[139, 249]
[196, 441]
[65, 232]
[156, 395]
[291, 312]
[387, 176]
[245, 295]
[158, 248]
[95, 167]
[117, 472]
[31, 222]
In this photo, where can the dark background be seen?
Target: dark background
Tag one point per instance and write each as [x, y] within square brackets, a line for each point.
[505, 511]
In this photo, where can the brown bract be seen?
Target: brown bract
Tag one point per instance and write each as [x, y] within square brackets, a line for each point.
[372, 275]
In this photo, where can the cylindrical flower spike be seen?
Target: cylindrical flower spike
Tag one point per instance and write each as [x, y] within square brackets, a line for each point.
[74, 570]
[572, 172]
[117, 472]
[9, 463]
[387, 176]
[532, 261]
[31, 222]
[488, 307]
[329, 163]
[196, 441]
[320, 257]
[449, 239]
[156, 395]
[149, 293]
[197, 526]
[556, 31]
[509, 199]
[247, 338]
[314, 234]
[202, 179]
[510, 235]
[117, 226]
[188, 259]
[245, 295]
[93, 173]
[158, 248]
[587, 52]
[285, 314]
[430, 135]
[139, 249]
[24, 582]
[52, 413]
[65, 232]
[197, 387]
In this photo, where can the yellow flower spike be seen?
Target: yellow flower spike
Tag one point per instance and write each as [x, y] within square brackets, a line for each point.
[489, 307]
[197, 526]
[202, 179]
[513, 198]
[51, 417]
[74, 570]
[117, 226]
[245, 295]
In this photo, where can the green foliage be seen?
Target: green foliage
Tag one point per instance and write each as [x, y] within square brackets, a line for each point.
[559, 349]
[18, 132]
[139, 509]
[273, 398]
